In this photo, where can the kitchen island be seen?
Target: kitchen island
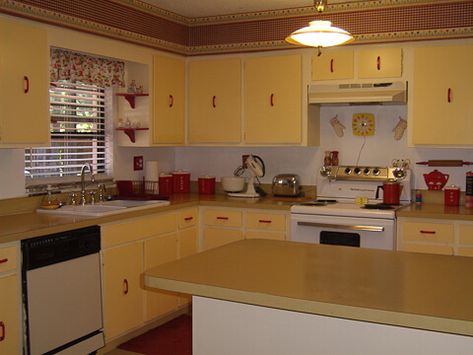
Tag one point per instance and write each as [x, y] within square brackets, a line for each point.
[271, 297]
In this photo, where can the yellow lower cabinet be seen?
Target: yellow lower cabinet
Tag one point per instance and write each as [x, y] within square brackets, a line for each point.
[255, 234]
[187, 245]
[9, 337]
[123, 295]
[465, 240]
[427, 248]
[215, 237]
[159, 250]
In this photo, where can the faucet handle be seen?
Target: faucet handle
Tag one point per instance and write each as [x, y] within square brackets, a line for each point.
[92, 197]
[102, 192]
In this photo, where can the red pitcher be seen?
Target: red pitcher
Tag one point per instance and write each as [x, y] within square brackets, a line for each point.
[391, 192]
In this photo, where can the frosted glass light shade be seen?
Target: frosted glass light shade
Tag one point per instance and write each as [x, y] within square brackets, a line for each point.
[319, 34]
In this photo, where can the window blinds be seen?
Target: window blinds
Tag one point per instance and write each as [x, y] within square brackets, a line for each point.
[77, 133]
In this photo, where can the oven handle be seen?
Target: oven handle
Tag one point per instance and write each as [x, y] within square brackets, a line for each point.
[338, 226]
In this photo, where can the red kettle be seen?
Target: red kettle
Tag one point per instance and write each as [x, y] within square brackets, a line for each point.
[391, 192]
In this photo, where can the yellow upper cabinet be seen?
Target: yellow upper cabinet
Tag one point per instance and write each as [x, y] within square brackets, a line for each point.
[24, 101]
[442, 105]
[333, 65]
[214, 113]
[379, 63]
[169, 100]
[273, 100]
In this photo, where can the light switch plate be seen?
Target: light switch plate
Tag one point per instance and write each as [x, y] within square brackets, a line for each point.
[138, 163]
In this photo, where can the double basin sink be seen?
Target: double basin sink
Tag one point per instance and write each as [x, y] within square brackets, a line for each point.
[105, 208]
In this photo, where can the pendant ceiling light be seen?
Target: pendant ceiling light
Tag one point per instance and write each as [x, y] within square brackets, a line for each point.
[319, 33]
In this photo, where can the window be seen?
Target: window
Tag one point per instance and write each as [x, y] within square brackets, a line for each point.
[77, 133]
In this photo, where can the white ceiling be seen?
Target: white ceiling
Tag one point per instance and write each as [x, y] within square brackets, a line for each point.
[207, 8]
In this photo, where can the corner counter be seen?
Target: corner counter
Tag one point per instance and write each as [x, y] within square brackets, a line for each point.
[424, 292]
[437, 211]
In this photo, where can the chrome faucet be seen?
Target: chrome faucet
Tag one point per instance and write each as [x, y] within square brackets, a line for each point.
[83, 198]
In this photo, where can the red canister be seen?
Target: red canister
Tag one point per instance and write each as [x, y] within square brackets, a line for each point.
[165, 184]
[206, 185]
[181, 181]
[452, 196]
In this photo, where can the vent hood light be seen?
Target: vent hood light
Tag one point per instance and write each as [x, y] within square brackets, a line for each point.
[366, 93]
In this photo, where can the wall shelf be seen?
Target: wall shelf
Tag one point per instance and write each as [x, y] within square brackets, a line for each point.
[130, 132]
[130, 97]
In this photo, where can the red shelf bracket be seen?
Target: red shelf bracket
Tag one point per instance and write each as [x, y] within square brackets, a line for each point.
[130, 97]
[130, 132]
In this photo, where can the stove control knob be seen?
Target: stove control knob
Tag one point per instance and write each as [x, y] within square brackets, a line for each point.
[347, 171]
[357, 171]
[366, 171]
[376, 172]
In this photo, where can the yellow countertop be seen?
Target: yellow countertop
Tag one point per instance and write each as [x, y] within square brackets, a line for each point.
[20, 226]
[436, 211]
[423, 291]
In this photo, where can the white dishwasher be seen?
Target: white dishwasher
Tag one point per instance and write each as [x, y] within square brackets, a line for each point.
[62, 294]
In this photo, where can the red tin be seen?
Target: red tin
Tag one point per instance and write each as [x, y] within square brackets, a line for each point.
[181, 181]
[165, 184]
[206, 185]
[452, 196]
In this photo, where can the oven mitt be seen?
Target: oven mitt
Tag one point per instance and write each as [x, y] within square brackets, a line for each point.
[399, 129]
[337, 126]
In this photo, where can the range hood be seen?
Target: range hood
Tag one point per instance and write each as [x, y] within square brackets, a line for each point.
[358, 93]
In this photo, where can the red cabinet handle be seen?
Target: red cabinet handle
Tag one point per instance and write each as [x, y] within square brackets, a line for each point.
[188, 218]
[264, 221]
[3, 261]
[26, 84]
[125, 286]
[378, 63]
[214, 101]
[428, 232]
[2, 329]
[171, 101]
[331, 65]
[271, 100]
[223, 218]
[449, 95]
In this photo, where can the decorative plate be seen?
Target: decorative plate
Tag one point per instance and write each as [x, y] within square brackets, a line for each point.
[363, 124]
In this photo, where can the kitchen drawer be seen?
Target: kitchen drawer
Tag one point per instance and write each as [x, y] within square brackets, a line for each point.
[215, 237]
[464, 251]
[265, 235]
[226, 218]
[137, 228]
[265, 221]
[465, 234]
[432, 232]
[8, 259]
[427, 248]
[187, 218]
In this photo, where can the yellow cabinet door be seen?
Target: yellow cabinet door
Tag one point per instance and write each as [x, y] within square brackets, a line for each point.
[159, 250]
[24, 100]
[168, 100]
[333, 65]
[9, 323]
[380, 63]
[273, 91]
[442, 106]
[214, 114]
[215, 237]
[123, 295]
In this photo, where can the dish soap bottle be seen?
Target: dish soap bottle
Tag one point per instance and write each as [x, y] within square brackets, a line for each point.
[49, 201]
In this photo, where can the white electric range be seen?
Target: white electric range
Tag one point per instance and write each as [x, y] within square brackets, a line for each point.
[348, 210]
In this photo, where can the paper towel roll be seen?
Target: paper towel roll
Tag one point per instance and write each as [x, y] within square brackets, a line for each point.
[151, 171]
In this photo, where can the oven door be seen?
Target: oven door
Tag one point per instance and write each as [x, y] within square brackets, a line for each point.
[349, 231]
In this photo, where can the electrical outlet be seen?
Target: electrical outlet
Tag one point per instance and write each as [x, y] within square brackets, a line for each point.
[138, 163]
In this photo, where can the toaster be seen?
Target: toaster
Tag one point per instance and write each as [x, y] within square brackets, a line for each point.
[286, 185]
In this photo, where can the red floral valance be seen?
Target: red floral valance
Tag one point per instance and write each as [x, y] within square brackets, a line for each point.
[87, 69]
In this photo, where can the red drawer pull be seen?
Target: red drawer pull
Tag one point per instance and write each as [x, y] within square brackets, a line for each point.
[223, 218]
[125, 286]
[26, 83]
[449, 95]
[264, 221]
[2, 329]
[378, 63]
[214, 101]
[271, 100]
[171, 101]
[428, 232]
[331, 65]
[188, 218]
[3, 261]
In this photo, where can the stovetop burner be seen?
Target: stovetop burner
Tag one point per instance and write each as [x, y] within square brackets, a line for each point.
[318, 202]
[379, 206]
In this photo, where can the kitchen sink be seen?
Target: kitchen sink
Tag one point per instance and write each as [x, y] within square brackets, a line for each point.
[105, 208]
